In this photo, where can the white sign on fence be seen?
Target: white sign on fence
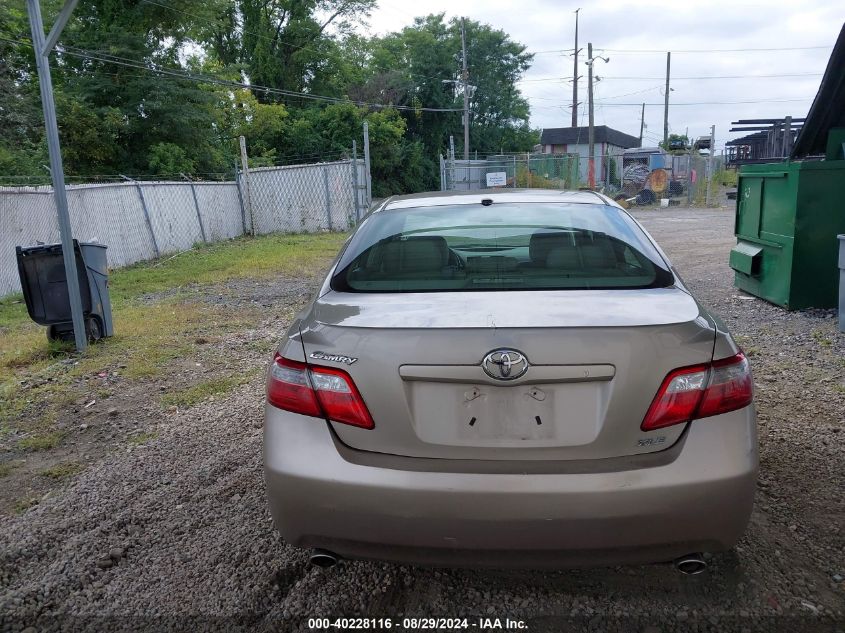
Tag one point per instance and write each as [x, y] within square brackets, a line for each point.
[497, 179]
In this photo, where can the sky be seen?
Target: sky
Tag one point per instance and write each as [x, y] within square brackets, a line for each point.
[703, 38]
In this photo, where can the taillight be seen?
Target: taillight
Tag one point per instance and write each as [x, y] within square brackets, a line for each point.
[729, 388]
[321, 392]
[701, 391]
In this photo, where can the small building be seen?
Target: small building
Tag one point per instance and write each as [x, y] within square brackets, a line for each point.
[575, 140]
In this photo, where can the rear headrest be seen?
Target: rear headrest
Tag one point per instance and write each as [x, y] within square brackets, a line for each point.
[599, 254]
[563, 258]
[416, 254]
[544, 241]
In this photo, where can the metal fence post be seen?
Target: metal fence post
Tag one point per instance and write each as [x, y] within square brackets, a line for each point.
[196, 205]
[240, 198]
[247, 185]
[42, 50]
[146, 212]
[328, 196]
[367, 175]
[528, 167]
[356, 192]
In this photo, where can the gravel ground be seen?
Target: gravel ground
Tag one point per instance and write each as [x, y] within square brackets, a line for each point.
[175, 535]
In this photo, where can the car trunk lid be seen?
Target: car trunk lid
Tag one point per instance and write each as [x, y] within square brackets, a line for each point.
[595, 360]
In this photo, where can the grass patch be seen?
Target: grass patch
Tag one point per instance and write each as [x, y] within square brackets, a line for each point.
[258, 258]
[142, 438]
[195, 394]
[6, 468]
[22, 505]
[40, 441]
[40, 380]
[62, 471]
[821, 338]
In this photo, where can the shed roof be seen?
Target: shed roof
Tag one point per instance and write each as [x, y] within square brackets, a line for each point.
[577, 135]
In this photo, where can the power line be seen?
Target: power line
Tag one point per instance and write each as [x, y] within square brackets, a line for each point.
[696, 78]
[715, 50]
[189, 76]
[701, 103]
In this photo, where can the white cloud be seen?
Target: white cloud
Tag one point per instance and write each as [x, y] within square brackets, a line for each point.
[656, 24]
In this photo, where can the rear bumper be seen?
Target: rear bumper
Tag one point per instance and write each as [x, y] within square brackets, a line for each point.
[699, 501]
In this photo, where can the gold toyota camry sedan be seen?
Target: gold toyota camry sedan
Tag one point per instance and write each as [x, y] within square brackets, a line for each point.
[513, 378]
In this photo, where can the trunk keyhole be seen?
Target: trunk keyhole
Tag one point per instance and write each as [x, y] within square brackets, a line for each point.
[472, 394]
[537, 394]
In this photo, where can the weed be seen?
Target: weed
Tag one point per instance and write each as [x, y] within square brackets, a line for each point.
[142, 438]
[40, 441]
[22, 505]
[6, 468]
[62, 471]
[195, 394]
[821, 338]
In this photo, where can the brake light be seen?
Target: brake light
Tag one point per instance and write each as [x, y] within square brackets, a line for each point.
[321, 392]
[701, 391]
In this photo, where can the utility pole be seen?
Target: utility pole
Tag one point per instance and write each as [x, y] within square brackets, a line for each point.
[465, 77]
[575, 76]
[710, 164]
[666, 105]
[42, 50]
[591, 143]
[642, 125]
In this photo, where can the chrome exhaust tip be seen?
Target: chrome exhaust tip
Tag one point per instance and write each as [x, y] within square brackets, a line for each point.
[323, 558]
[691, 564]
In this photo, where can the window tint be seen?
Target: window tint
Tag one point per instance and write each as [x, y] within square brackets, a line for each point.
[506, 246]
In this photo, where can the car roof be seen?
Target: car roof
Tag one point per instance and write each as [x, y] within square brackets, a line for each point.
[451, 198]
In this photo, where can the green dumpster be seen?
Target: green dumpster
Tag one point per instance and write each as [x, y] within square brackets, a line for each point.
[789, 213]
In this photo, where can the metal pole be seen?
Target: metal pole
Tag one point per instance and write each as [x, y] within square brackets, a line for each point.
[575, 76]
[707, 194]
[328, 196]
[452, 163]
[689, 176]
[642, 125]
[787, 141]
[146, 213]
[368, 178]
[240, 197]
[528, 165]
[591, 140]
[355, 187]
[442, 174]
[465, 77]
[56, 169]
[666, 105]
[247, 184]
[196, 206]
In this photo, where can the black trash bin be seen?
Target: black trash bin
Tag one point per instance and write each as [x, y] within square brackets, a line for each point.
[44, 285]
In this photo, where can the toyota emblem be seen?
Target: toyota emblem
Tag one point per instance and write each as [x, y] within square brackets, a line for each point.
[505, 364]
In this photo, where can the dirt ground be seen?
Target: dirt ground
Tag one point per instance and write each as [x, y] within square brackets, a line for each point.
[173, 533]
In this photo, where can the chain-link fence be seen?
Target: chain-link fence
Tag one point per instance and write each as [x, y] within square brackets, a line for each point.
[140, 220]
[305, 198]
[641, 178]
[539, 171]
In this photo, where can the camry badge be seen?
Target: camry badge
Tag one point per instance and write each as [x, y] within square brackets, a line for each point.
[505, 364]
[333, 358]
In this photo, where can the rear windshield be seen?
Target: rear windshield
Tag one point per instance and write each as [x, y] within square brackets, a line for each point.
[505, 246]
